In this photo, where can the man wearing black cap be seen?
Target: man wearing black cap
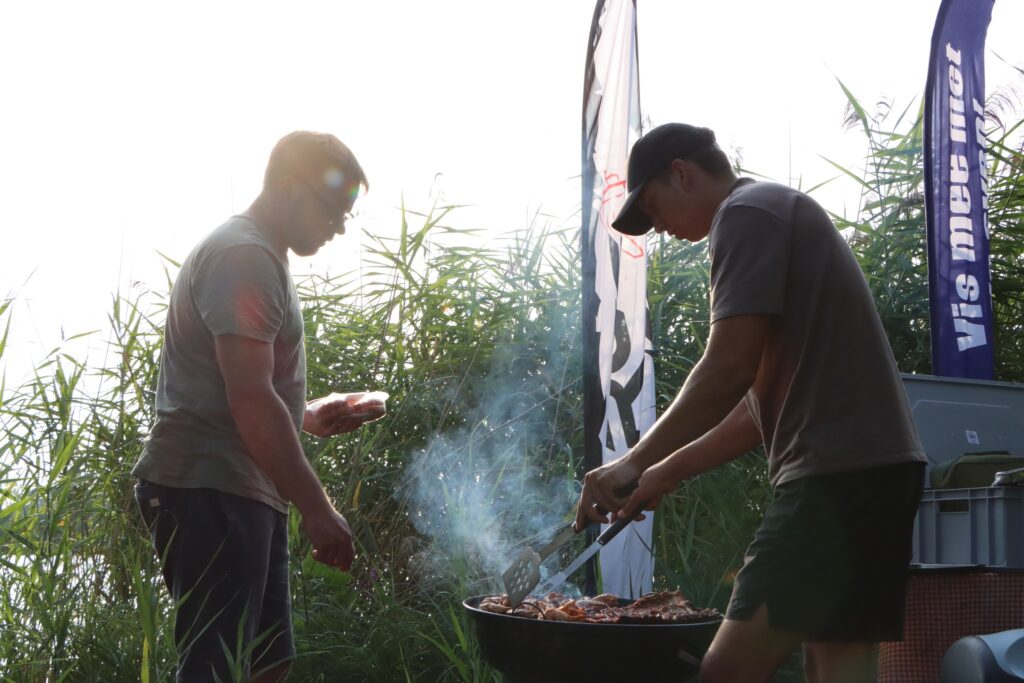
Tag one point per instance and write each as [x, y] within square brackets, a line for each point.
[223, 459]
[797, 360]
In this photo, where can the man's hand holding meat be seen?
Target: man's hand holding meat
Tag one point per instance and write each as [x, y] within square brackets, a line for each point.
[340, 413]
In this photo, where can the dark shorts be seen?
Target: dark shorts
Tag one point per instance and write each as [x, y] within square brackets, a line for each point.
[225, 563]
[831, 556]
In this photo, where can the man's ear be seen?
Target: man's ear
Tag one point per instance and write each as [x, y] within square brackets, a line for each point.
[683, 172]
[288, 185]
[688, 174]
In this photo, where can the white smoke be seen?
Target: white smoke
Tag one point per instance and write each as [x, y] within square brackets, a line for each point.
[503, 480]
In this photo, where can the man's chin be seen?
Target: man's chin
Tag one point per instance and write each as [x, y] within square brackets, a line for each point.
[306, 249]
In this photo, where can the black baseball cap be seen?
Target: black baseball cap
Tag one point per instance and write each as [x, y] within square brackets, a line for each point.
[652, 154]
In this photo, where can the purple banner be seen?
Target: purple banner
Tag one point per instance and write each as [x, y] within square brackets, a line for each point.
[956, 192]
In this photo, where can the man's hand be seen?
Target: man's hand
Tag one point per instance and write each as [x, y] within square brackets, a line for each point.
[655, 483]
[341, 413]
[331, 537]
[605, 489]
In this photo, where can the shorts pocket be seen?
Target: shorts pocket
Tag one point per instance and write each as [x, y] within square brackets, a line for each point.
[157, 506]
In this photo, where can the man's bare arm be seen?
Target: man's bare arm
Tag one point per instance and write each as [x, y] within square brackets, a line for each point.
[734, 436]
[711, 392]
[271, 439]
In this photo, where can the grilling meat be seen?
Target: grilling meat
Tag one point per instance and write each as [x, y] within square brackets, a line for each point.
[569, 611]
[499, 604]
[665, 607]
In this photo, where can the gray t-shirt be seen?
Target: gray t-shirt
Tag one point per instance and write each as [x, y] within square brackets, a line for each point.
[232, 283]
[828, 396]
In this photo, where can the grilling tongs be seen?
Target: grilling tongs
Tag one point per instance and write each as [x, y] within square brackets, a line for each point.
[524, 573]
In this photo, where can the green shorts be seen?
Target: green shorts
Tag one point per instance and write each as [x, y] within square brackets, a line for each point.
[831, 556]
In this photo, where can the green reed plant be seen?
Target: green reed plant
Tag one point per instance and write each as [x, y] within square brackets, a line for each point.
[888, 232]
[1006, 246]
[74, 557]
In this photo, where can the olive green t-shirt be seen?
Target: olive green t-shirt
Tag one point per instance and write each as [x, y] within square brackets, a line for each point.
[828, 396]
[233, 282]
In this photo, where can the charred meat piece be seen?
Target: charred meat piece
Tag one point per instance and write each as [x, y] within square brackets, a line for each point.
[572, 611]
[608, 615]
[567, 612]
[665, 607]
[529, 609]
[499, 604]
[660, 599]
[608, 599]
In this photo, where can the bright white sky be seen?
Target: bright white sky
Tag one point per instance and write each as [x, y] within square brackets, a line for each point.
[131, 128]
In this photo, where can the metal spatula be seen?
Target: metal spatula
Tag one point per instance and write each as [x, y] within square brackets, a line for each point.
[524, 572]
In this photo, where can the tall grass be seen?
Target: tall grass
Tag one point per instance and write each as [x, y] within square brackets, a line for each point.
[888, 233]
[74, 556]
[477, 342]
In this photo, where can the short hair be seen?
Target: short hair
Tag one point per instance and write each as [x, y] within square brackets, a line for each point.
[712, 160]
[320, 160]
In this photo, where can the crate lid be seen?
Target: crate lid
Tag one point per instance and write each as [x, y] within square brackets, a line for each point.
[955, 416]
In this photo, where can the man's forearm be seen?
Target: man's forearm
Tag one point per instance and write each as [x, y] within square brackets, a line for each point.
[711, 392]
[270, 437]
[734, 436]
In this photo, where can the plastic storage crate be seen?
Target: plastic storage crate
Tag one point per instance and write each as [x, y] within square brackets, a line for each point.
[979, 526]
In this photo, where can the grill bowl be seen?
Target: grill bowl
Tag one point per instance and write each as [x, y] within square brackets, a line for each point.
[533, 651]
